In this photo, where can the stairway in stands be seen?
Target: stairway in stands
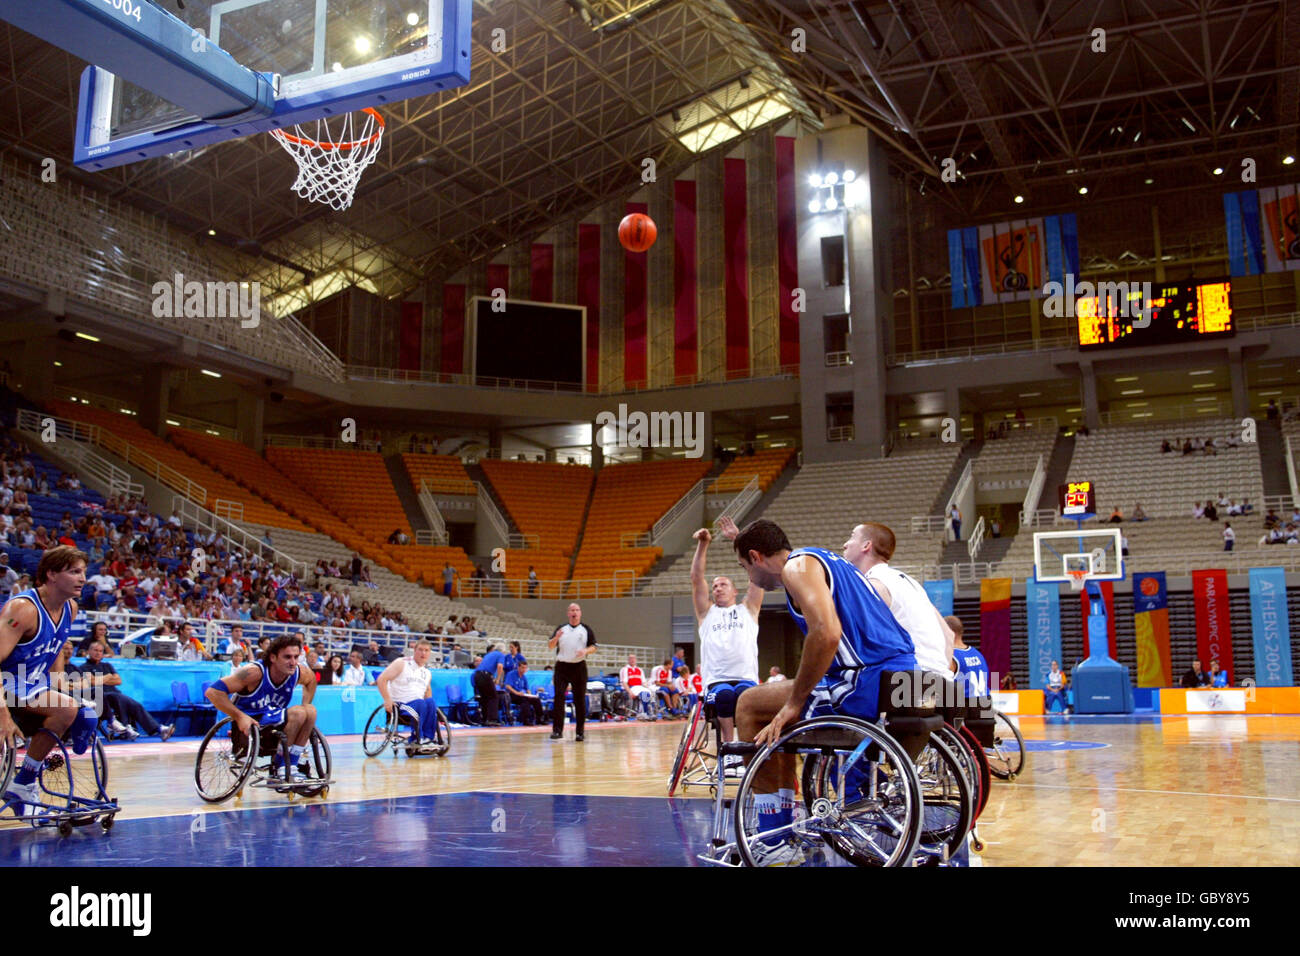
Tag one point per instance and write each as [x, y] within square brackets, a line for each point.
[405, 493]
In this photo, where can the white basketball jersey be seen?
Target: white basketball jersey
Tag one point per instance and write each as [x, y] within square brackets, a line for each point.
[411, 683]
[912, 608]
[729, 645]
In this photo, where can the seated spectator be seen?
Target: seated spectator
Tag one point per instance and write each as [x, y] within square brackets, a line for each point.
[372, 655]
[1138, 513]
[1008, 682]
[529, 704]
[662, 677]
[263, 645]
[1195, 677]
[355, 675]
[1295, 516]
[685, 688]
[1232, 441]
[1223, 501]
[1116, 516]
[190, 647]
[396, 537]
[1218, 676]
[774, 675]
[1275, 536]
[1271, 520]
[333, 672]
[1187, 447]
[1234, 509]
[1165, 447]
[98, 632]
[1211, 512]
[1055, 690]
[124, 710]
[238, 658]
[1211, 446]
[1292, 535]
[1246, 507]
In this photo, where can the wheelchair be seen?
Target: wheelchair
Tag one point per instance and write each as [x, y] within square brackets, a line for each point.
[890, 794]
[229, 760]
[74, 787]
[697, 751]
[385, 730]
[1005, 748]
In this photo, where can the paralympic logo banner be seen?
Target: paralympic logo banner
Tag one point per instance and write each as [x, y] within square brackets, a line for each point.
[940, 595]
[1151, 628]
[1268, 625]
[995, 625]
[1043, 622]
[1213, 621]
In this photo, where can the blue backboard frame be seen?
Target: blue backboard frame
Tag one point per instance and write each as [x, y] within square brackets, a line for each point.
[415, 74]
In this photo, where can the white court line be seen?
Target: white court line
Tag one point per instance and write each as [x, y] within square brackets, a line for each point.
[1172, 793]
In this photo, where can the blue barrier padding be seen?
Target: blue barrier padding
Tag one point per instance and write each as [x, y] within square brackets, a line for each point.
[337, 712]
[1146, 698]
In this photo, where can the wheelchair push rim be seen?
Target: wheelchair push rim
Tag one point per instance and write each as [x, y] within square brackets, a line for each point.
[879, 827]
[227, 769]
[1007, 755]
[685, 747]
[379, 732]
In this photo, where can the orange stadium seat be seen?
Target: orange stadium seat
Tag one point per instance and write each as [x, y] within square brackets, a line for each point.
[767, 464]
[629, 499]
[444, 473]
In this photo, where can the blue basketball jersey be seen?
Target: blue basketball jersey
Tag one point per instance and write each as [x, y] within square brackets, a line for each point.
[973, 670]
[267, 699]
[872, 640]
[29, 662]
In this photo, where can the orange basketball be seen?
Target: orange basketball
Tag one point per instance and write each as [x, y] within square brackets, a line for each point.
[637, 232]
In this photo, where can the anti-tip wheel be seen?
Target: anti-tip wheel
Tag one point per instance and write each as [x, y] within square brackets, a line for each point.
[324, 792]
[1011, 776]
[65, 828]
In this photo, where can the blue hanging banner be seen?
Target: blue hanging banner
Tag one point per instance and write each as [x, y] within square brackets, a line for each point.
[1270, 634]
[940, 594]
[1043, 624]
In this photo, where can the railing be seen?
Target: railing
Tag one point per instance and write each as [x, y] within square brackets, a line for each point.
[739, 506]
[1035, 489]
[523, 542]
[150, 466]
[198, 425]
[686, 501]
[929, 524]
[959, 489]
[632, 539]
[80, 396]
[839, 433]
[438, 527]
[437, 538]
[1002, 348]
[310, 441]
[369, 373]
[1290, 469]
[230, 510]
[201, 519]
[1039, 518]
[1282, 504]
[836, 359]
[976, 539]
[488, 509]
[101, 469]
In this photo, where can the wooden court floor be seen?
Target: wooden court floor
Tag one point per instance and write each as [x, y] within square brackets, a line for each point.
[1179, 791]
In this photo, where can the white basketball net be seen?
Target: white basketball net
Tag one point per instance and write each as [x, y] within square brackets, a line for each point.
[330, 164]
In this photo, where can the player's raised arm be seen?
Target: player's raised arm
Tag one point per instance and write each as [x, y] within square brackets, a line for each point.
[753, 600]
[699, 585]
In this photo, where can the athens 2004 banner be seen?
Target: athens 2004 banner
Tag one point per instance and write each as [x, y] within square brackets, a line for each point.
[1263, 227]
[1013, 260]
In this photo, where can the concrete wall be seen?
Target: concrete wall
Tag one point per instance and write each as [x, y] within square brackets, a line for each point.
[642, 621]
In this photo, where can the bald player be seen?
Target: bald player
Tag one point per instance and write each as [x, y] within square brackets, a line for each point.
[728, 633]
[869, 549]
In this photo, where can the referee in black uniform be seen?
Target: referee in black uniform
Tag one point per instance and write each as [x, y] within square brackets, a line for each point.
[572, 643]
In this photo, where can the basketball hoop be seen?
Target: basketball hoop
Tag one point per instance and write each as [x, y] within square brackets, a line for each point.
[1077, 578]
[329, 165]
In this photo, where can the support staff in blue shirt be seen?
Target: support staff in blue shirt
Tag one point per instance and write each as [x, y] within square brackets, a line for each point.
[488, 676]
[529, 704]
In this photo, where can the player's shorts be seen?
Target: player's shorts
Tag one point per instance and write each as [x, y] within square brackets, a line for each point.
[857, 694]
[730, 691]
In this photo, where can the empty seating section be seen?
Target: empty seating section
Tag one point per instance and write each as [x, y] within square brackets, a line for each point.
[545, 500]
[219, 488]
[443, 473]
[766, 464]
[629, 499]
[551, 566]
[1021, 446]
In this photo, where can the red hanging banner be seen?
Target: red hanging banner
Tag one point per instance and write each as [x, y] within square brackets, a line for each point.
[787, 239]
[589, 295]
[685, 361]
[409, 336]
[1213, 618]
[542, 282]
[453, 328]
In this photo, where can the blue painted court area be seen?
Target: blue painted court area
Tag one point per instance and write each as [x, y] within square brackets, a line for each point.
[1059, 746]
[462, 829]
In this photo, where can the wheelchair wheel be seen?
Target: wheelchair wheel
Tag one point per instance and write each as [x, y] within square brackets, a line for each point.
[6, 764]
[694, 726]
[981, 767]
[226, 758]
[317, 760]
[1007, 755]
[442, 734]
[378, 732]
[68, 779]
[970, 768]
[948, 798]
[860, 792]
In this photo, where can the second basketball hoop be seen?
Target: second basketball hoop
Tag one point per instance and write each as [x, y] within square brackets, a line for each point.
[330, 163]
